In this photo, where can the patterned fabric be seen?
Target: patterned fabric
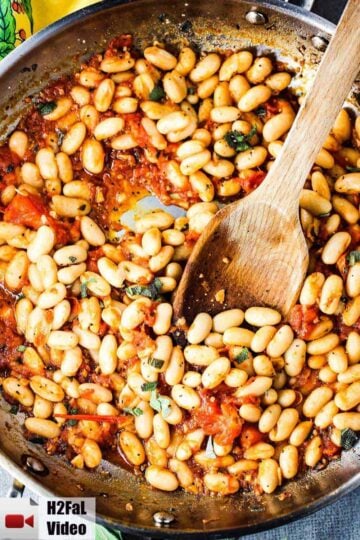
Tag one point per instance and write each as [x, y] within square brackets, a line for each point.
[20, 18]
[340, 521]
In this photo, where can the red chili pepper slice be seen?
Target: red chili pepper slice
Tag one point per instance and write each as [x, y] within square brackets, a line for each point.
[94, 417]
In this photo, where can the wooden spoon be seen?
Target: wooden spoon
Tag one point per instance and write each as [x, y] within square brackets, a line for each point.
[254, 250]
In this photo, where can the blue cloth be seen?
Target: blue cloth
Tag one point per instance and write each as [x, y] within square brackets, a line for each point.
[339, 521]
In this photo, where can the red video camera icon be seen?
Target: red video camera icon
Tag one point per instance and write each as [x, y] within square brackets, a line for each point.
[17, 521]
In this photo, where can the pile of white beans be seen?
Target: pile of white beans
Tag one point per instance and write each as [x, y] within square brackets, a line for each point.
[122, 333]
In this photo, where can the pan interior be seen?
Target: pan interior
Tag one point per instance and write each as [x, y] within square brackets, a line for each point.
[205, 25]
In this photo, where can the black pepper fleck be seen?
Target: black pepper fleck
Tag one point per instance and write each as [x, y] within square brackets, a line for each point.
[186, 26]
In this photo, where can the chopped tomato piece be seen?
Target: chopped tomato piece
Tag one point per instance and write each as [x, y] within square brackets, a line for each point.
[354, 231]
[271, 107]
[191, 237]
[253, 181]
[8, 159]
[342, 329]
[253, 400]
[133, 122]
[231, 425]
[26, 210]
[94, 417]
[9, 339]
[141, 340]
[210, 125]
[119, 42]
[329, 448]
[55, 90]
[222, 421]
[93, 257]
[250, 435]
[306, 381]
[65, 231]
[303, 319]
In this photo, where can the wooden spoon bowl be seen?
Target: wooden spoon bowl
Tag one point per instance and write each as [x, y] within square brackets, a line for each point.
[232, 265]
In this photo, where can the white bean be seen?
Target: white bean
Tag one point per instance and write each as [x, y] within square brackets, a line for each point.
[200, 328]
[161, 478]
[42, 243]
[107, 355]
[262, 316]
[185, 397]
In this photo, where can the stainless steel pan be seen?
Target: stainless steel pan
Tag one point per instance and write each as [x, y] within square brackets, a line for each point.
[293, 34]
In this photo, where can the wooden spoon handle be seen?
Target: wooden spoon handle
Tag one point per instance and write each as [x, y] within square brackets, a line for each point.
[331, 86]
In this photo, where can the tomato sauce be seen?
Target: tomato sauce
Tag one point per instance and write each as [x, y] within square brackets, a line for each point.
[271, 108]
[306, 381]
[303, 319]
[253, 181]
[250, 435]
[330, 450]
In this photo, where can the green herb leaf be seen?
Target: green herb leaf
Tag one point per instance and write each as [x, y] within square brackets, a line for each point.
[14, 409]
[146, 387]
[191, 91]
[165, 406]
[149, 291]
[242, 356]
[160, 403]
[261, 112]
[72, 410]
[348, 438]
[60, 136]
[135, 411]
[21, 348]
[83, 290]
[156, 362]
[209, 450]
[72, 259]
[101, 533]
[83, 287]
[46, 108]
[37, 440]
[154, 401]
[238, 141]
[353, 169]
[353, 257]
[157, 93]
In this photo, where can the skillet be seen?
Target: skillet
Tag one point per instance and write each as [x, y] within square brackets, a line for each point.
[296, 36]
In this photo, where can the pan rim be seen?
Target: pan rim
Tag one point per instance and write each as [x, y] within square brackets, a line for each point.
[32, 483]
[66, 22]
[12, 60]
